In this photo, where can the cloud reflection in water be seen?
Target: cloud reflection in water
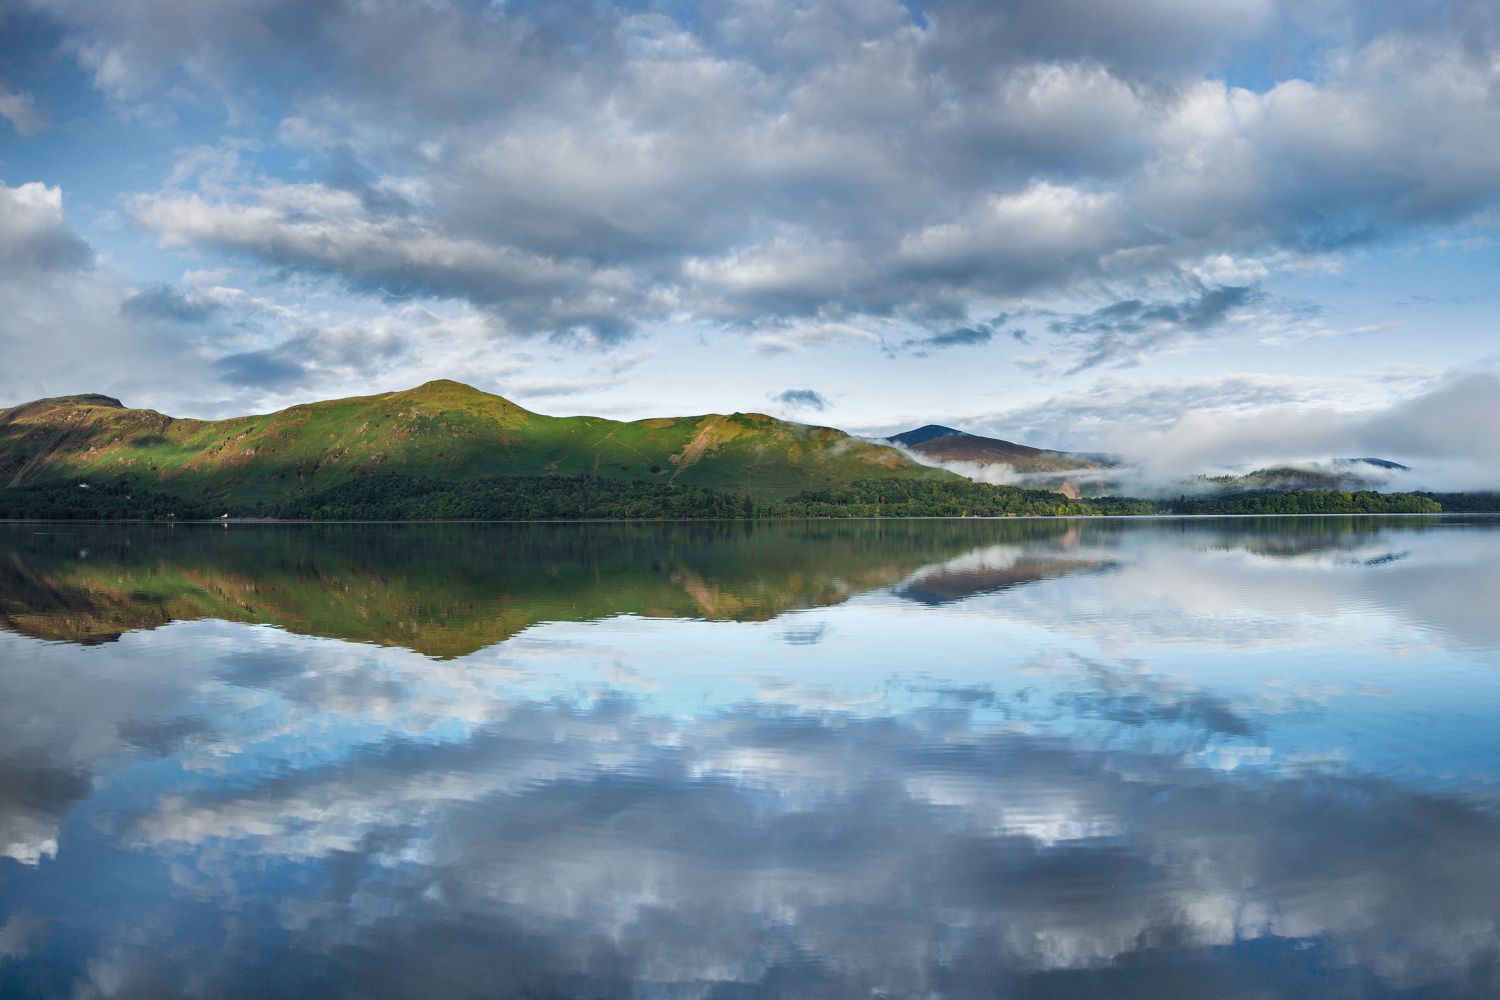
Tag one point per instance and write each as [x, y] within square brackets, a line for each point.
[1019, 792]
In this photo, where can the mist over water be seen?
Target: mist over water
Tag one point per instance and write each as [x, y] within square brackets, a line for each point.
[1097, 758]
[1134, 476]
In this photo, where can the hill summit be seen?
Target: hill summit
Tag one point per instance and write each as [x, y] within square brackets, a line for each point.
[941, 445]
[924, 434]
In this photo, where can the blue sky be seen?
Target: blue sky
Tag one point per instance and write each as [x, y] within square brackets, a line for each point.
[1204, 231]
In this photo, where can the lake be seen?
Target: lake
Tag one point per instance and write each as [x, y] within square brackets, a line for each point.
[1030, 758]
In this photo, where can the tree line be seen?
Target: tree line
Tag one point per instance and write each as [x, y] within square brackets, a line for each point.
[398, 497]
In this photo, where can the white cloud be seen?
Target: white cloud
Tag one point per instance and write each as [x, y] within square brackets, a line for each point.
[1449, 433]
[63, 330]
[1046, 229]
[34, 236]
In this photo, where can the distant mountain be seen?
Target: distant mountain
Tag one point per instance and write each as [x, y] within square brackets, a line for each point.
[975, 455]
[1077, 474]
[924, 434]
[442, 430]
[944, 444]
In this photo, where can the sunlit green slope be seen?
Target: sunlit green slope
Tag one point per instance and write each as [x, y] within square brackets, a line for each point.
[444, 430]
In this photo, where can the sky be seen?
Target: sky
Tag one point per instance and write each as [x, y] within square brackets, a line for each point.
[1195, 232]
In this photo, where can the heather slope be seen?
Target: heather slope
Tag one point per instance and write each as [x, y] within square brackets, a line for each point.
[936, 443]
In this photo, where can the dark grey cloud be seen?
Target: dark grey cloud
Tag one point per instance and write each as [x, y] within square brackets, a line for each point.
[1123, 332]
[963, 336]
[960, 337]
[1143, 41]
[1200, 312]
[801, 399]
[261, 369]
[165, 303]
[343, 351]
[972, 335]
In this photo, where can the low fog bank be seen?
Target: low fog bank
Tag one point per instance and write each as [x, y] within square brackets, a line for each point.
[1449, 438]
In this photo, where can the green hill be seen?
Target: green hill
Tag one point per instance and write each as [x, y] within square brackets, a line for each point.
[441, 431]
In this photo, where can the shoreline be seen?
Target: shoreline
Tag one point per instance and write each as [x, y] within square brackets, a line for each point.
[250, 521]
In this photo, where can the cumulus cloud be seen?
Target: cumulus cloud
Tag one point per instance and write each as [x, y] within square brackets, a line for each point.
[67, 326]
[76, 325]
[317, 227]
[34, 235]
[605, 169]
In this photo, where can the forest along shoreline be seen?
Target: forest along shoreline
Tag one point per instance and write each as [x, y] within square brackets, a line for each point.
[393, 497]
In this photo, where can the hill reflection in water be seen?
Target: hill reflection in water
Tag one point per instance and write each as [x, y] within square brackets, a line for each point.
[1044, 758]
[448, 590]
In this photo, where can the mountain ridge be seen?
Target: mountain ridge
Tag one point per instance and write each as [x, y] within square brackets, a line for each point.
[442, 430]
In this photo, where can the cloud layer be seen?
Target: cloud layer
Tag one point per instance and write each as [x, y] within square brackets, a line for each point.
[607, 168]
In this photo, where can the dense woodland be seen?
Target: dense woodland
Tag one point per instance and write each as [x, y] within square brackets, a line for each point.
[897, 498]
[393, 497]
[1306, 502]
[100, 501]
[1483, 502]
[510, 498]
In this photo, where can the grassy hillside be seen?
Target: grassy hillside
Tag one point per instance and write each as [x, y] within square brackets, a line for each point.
[442, 430]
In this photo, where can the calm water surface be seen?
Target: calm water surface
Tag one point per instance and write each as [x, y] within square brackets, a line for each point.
[1175, 758]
